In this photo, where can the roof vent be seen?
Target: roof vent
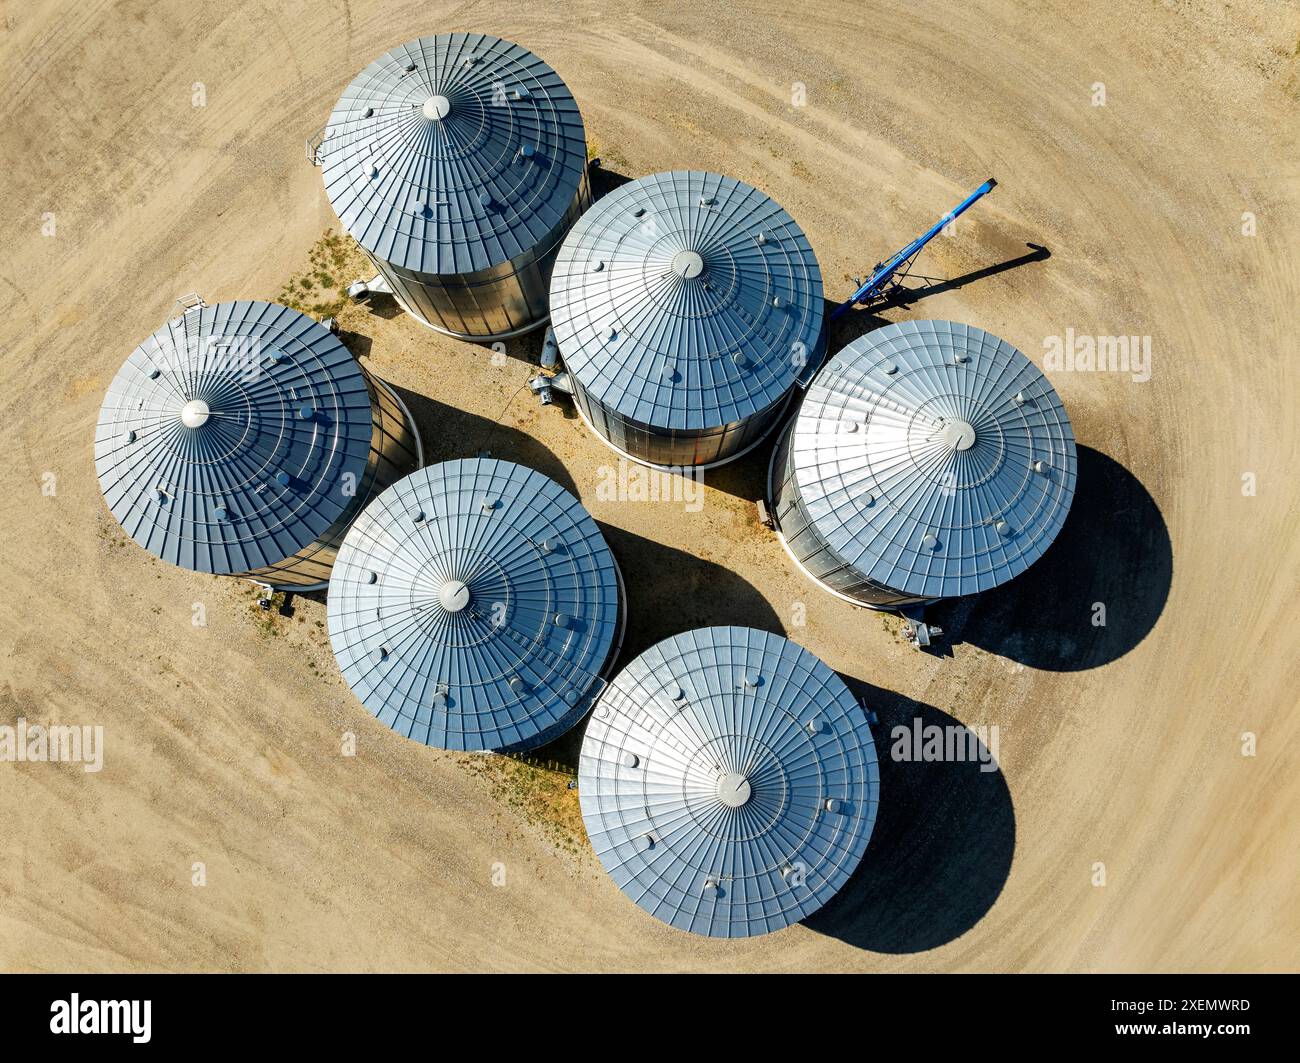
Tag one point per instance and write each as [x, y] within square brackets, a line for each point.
[738, 782]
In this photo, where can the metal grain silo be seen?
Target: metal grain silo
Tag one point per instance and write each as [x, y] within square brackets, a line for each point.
[474, 606]
[928, 460]
[242, 438]
[458, 163]
[686, 306]
[729, 781]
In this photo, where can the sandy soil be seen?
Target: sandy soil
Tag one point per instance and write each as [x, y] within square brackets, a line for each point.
[1119, 745]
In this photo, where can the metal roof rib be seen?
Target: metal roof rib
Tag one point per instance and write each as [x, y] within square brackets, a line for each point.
[474, 605]
[916, 465]
[729, 781]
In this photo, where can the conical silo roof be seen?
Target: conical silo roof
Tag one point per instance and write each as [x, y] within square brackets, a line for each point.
[687, 300]
[233, 437]
[728, 781]
[453, 153]
[934, 458]
[473, 606]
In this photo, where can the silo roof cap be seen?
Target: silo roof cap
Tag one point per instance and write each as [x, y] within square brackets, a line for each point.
[200, 452]
[446, 600]
[699, 270]
[935, 458]
[480, 133]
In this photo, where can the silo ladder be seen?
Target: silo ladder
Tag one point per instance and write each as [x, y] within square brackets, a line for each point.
[313, 145]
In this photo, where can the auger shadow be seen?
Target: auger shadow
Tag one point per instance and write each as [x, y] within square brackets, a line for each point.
[861, 319]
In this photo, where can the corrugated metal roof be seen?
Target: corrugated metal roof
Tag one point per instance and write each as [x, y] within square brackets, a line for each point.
[687, 300]
[454, 153]
[473, 606]
[226, 441]
[934, 458]
[729, 781]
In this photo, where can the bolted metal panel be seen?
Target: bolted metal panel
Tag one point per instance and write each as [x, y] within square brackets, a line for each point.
[686, 306]
[728, 781]
[928, 460]
[458, 162]
[474, 606]
[240, 439]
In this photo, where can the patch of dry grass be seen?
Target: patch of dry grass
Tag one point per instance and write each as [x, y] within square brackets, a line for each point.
[542, 796]
[333, 263]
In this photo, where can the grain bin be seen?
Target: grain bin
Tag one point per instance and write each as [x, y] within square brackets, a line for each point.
[242, 438]
[728, 781]
[686, 306]
[474, 606]
[458, 164]
[927, 460]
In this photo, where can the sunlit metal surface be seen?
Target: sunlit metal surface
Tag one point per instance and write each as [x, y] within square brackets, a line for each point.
[474, 606]
[686, 305]
[928, 460]
[241, 438]
[458, 162]
[729, 781]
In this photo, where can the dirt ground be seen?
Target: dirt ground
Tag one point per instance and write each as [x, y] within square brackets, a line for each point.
[153, 149]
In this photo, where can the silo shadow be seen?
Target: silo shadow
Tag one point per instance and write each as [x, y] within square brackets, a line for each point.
[672, 591]
[448, 432]
[1093, 596]
[384, 305]
[604, 180]
[943, 842]
[668, 591]
[855, 322]
[746, 477]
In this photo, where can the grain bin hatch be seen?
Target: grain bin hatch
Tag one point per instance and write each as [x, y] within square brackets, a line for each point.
[474, 606]
[728, 781]
[241, 438]
[686, 306]
[928, 460]
[458, 163]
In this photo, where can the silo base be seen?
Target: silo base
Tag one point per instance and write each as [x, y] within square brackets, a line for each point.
[287, 588]
[380, 283]
[522, 330]
[410, 421]
[616, 649]
[776, 423]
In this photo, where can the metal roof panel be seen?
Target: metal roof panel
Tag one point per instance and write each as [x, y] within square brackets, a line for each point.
[473, 606]
[228, 439]
[729, 781]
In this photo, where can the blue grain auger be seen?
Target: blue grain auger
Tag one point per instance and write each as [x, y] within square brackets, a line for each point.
[887, 276]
